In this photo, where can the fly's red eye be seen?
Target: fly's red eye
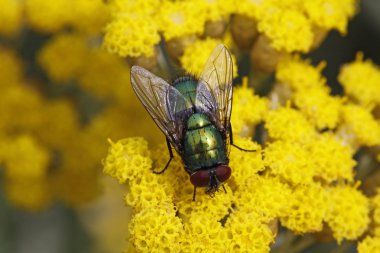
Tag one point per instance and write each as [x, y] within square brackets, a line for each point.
[200, 178]
[223, 172]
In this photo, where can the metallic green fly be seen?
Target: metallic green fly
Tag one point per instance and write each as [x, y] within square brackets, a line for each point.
[195, 117]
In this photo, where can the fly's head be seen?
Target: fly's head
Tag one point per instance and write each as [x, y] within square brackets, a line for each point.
[211, 178]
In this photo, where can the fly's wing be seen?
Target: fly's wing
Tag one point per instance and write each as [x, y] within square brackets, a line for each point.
[214, 91]
[162, 101]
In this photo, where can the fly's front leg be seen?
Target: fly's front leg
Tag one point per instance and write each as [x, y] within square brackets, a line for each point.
[232, 143]
[170, 159]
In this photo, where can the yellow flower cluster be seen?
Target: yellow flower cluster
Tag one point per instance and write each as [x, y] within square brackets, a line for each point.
[26, 163]
[291, 26]
[290, 180]
[166, 219]
[60, 64]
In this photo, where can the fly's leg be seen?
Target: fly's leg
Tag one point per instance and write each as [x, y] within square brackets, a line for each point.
[232, 143]
[194, 192]
[170, 159]
[224, 188]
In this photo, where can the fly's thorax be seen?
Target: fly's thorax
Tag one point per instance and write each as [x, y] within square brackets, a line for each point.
[197, 121]
[203, 144]
[187, 86]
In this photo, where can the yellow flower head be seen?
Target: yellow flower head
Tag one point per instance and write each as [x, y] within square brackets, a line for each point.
[10, 17]
[330, 14]
[319, 107]
[248, 109]
[245, 167]
[289, 30]
[181, 18]
[75, 183]
[196, 55]
[361, 80]
[11, 108]
[126, 158]
[268, 197]
[131, 35]
[204, 234]
[59, 124]
[369, 245]
[25, 158]
[348, 214]
[156, 229]
[119, 8]
[106, 75]
[246, 233]
[290, 161]
[361, 123]
[375, 206]
[288, 124]
[11, 68]
[215, 10]
[26, 163]
[88, 16]
[57, 13]
[166, 200]
[299, 74]
[31, 195]
[332, 159]
[64, 56]
[308, 209]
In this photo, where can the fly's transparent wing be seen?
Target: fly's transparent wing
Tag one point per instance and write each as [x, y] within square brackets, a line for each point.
[162, 101]
[214, 91]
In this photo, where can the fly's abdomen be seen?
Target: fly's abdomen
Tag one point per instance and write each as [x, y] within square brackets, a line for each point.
[203, 144]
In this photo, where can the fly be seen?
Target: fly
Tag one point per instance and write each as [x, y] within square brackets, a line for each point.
[195, 116]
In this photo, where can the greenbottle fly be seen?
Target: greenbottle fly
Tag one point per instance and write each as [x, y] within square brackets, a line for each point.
[195, 116]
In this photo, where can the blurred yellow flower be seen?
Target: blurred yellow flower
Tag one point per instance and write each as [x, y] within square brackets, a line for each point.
[11, 68]
[10, 17]
[64, 57]
[57, 12]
